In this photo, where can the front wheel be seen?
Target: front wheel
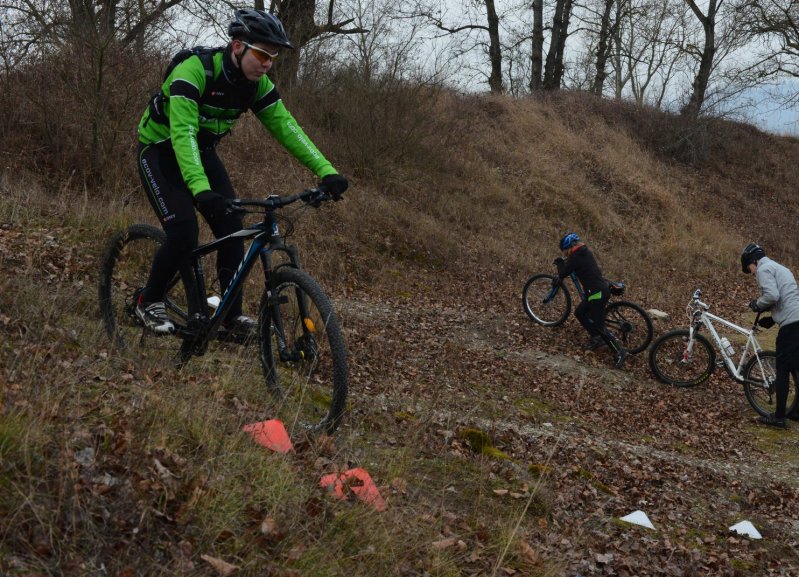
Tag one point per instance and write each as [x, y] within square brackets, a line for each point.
[544, 304]
[630, 324]
[759, 384]
[677, 360]
[303, 353]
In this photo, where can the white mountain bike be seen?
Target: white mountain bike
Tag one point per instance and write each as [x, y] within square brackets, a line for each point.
[685, 358]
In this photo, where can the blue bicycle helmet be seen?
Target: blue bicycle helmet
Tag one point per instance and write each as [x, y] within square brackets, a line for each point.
[569, 241]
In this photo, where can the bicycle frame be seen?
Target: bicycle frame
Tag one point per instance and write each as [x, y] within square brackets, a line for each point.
[701, 317]
[577, 287]
[558, 287]
[266, 240]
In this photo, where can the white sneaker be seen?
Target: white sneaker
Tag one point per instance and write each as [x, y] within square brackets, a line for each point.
[154, 317]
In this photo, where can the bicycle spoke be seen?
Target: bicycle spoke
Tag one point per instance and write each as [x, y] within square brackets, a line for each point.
[544, 304]
[306, 351]
[677, 361]
[760, 387]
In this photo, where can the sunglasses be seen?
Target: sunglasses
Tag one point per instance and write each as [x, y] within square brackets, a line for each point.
[262, 55]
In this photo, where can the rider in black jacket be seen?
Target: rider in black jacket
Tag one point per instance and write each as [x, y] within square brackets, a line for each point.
[591, 311]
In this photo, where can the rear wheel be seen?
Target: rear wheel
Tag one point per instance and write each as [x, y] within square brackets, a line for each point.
[630, 324]
[544, 304]
[759, 386]
[124, 272]
[678, 361]
[303, 354]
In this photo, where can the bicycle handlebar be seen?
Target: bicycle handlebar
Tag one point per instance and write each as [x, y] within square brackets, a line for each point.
[704, 306]
[312, 196]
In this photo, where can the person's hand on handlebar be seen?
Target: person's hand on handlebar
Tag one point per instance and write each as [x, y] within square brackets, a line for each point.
[211, 204]
[334, 185]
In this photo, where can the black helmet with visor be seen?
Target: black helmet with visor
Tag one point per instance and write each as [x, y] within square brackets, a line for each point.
[258, 26]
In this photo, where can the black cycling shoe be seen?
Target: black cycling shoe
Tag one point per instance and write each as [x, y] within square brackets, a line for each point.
[773, 421]
[240, 330]
[594, 344]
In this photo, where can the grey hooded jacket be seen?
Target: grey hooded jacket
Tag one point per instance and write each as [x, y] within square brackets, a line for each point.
[778, 291]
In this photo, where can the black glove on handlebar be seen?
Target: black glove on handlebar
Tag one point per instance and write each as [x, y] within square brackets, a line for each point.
[558, 261]
[754, 306]
[211, 204]
[334, 185]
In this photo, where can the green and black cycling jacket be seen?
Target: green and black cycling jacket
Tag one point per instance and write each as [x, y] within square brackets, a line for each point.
[194, 117]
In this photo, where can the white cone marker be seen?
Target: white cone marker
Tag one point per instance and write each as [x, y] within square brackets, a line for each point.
[638, 518]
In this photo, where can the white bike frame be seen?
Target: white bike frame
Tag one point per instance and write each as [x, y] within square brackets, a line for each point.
[698, 311]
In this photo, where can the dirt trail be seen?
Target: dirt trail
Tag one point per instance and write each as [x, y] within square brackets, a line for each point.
[480, 334]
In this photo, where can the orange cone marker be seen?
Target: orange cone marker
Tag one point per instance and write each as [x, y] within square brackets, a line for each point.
[271, 434]
[355, 482]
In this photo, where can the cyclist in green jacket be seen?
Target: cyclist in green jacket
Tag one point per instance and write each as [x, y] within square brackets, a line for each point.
[199, 102]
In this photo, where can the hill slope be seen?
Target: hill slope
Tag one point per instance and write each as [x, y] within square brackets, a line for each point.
[112, 467]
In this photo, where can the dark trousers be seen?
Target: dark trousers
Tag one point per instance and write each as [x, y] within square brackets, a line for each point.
[591, 314]
[787, 362]
[173, 204]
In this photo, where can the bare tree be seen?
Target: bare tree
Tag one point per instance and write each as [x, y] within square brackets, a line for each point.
[706, 56]
[604, 45]
[298, 17]
[775, 23]
[537, 47]
[648, 48]
[553, 71]
[487, 9]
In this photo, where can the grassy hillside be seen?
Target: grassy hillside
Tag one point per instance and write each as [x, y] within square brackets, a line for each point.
[114, 467]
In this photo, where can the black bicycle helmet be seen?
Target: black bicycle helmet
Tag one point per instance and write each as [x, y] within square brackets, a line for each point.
[751, 253]
[258, 26]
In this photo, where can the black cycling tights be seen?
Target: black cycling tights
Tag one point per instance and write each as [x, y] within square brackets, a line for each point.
[173, 204]
[591, 315]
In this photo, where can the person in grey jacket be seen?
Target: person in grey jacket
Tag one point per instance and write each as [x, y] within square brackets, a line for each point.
[780, 295]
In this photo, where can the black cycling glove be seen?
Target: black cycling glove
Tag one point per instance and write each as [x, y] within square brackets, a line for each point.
[334, 185]
[211, 204]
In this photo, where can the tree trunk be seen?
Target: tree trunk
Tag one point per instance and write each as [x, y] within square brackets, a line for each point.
[553, 73]
[603, 49]
[494, 49]
[298, 20]
[537, 60]
[702, 78]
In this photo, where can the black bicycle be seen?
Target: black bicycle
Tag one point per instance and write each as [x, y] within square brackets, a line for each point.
[548, 303]
[298, 343]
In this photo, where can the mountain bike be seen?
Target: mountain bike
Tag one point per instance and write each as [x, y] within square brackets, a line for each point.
[298, 347]
[686, 358]
[548, 302]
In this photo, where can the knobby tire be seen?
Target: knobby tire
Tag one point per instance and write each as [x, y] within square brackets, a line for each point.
[550, 314]
[668, 361]
[310, 391]
[763, 396]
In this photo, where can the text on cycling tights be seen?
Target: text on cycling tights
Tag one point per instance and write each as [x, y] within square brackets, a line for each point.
[173, 204]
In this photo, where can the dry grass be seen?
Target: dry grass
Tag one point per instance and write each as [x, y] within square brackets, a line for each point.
[443, 186]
